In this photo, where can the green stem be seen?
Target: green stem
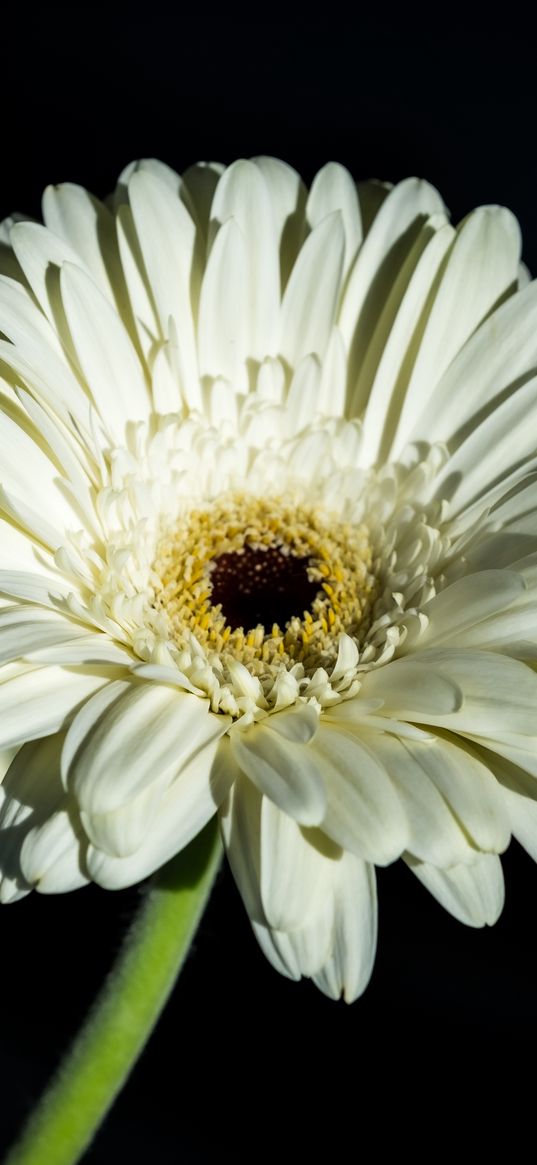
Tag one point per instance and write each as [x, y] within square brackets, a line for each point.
[120, 1022]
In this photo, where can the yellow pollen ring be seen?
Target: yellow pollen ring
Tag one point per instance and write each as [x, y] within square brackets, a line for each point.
[339, 557]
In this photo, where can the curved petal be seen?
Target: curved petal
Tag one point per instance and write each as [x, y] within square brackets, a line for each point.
[40, 835]
[502, 352]
[130, 736]
[40, 700]
[24, 631]
[459, 690]
[223, 310]
[243, 195]
[348, 969]
[240, 822]
[166, 235]
[364, 813]
[310, 300]
[473, 894]
[281, 767]
[87, 226]
[434, 832]
[288, 200]
[480, 269]
[50, 855]
[466, 612]
[104, 351]
[187, 805]
[293, 865]
[334, 189]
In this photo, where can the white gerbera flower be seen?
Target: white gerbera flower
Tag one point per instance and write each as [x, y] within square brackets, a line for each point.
[268, 545]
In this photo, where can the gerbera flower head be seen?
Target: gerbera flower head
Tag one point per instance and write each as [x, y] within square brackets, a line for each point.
[268, 521]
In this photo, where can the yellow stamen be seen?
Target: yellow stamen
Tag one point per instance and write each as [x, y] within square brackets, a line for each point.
[339, 558]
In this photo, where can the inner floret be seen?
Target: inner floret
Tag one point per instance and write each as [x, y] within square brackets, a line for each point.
[268, 581]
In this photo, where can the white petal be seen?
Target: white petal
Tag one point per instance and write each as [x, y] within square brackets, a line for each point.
[474, 894]
[38, 841]
[333, 384]
[147, 732]
[503, 351]
[477, 692]
[22, 553]
[166, 235]
[138, 288]
[512, 532]
[105, 352]
[292, 869]
[399, 218]
[303, 395]
[334, 189]
[188, 804]
[87, 650]
[223, 310]
[336, 945]
[489, 611]
[38, 702]
[309, 948]
[123, 831]
[7, 755]
[70, 455]
[499, 445]
[412, 690]
[434, 833]
[277, 869]
[288, 199]
[242, 194]
[23, 631]
[310, 299]
[364, 813]
[284, 770]
[32, 522]
[41, 254]
[481, 267]
[280, 956]
[50, 856]
[33, 588]
[27, 472]
[457, 611]
[371, 195]
[271, 381]
[24, 324]
[348, 970]
[31, 787]
[383, 367]
[152, 166]
[468, 787]
[165, 383]
[51, 381]
[297, 725]
[87, 226]
[200, 182]
[240, 820]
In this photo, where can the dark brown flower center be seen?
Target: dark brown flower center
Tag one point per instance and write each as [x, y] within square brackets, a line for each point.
[264, 587]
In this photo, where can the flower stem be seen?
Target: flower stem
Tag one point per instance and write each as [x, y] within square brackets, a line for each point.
[120, 1022]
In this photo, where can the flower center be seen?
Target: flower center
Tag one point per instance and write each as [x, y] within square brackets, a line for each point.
[261, 587]
[264, 580]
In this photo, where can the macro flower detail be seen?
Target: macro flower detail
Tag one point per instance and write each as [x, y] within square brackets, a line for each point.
[268, 520]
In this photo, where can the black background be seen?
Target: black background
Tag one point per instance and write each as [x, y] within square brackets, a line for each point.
[445, 1025]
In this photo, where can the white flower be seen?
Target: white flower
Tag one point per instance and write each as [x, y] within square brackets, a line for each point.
[268, 545]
